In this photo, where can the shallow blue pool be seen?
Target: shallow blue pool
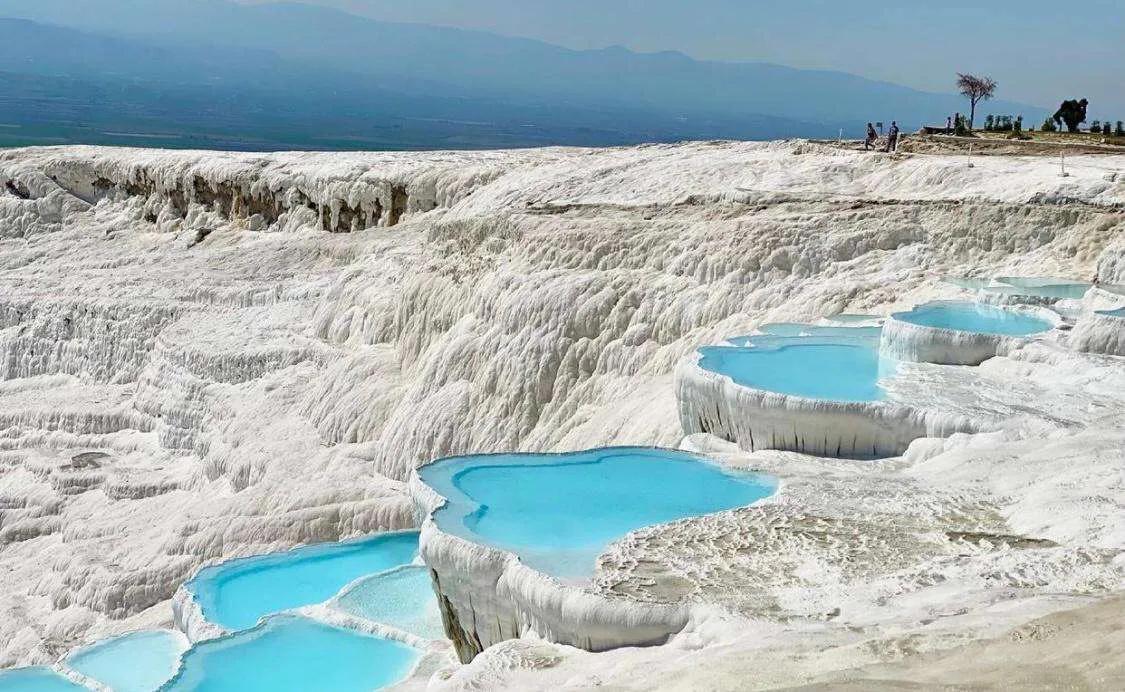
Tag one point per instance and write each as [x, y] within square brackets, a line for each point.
[294, 654]
[969, 284]
[1051, 289]
[558, 512]
[139, 662]
[237, 594]
[1119, 312]
[1038, 281]
[36, 679]
[974, 317]
[854, 319]
[842, 369]
[800, 329]
[402, 598]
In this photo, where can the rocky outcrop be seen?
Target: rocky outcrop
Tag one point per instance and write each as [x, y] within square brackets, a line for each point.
[1100, 331]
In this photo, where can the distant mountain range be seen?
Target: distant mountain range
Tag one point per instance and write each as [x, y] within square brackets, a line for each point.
[287, 75]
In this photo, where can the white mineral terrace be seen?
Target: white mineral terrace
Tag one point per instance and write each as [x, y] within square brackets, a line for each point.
[1101, 331]
[206, 356]
[906, 340]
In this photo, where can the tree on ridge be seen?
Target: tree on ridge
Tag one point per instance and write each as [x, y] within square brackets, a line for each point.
[976, 89]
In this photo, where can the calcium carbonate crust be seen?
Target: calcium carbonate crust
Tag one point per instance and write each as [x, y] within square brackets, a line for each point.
[187, 616]
[1099, 332]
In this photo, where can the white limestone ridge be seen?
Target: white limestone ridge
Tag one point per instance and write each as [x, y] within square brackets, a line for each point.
[210, 355]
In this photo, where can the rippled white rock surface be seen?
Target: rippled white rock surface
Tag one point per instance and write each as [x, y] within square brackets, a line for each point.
[196, 365]
[1101, 331]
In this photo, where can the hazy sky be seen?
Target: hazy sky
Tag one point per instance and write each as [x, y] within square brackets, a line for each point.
[1039, 51]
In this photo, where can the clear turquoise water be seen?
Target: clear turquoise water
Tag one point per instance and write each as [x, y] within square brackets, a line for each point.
[1038, 281]
[139, 662]
[403, 598]
[845, 318]
[1120, 312]
[1035, 286]
[974, 317]
[237, 594]
[558, 512]
[840, 369]
[968, 283]
[1057, 291]
[36, 680]
[800, 329]
[294, 654]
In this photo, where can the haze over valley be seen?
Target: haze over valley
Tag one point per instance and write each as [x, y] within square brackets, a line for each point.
[214, 74]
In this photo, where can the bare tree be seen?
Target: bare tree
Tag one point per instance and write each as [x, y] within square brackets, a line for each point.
[976, 89]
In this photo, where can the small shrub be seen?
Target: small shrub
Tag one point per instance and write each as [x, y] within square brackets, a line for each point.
[1106, 129]
[1049, 125]
[1017, 129]
[999, 123]
[1120, 130]
[961, 127]
[1096, 127]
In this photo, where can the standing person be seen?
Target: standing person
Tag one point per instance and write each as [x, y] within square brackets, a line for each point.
[892, 137]
[949, 125]
[872, 136]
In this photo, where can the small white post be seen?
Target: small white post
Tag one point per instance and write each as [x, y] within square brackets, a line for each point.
[1062, 165]
[970, 158]
[841, 137]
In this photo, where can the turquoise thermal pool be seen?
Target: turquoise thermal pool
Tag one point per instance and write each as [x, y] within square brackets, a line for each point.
[1049, 291]
[1050, 288]
[969, 284]
[800, 329]
[139, 662]
[558, 512]
[402, 598]
[1039, 281]
[853, 319]
[36, 680]
[295, 654]
[1119, 312]
[833, 369]
[974, 317]
[236, 594]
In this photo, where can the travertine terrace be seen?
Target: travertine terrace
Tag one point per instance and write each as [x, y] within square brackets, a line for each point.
[206, 355]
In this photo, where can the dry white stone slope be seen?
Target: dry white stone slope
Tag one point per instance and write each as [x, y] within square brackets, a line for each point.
[208, 355]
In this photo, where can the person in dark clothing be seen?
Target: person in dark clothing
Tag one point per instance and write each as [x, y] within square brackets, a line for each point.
[872, 136]
[892, 137]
